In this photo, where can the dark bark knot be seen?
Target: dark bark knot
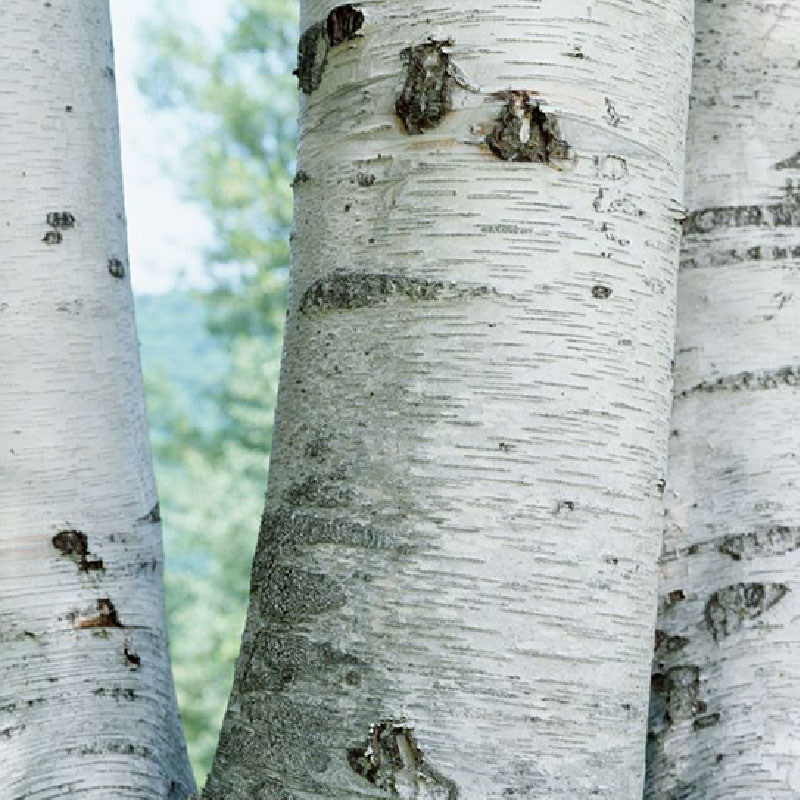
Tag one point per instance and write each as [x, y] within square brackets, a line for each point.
[75, 545]
[427, 94]
[729, 608]
[58, 221]
[675, 698]
[116, 268]
[106, 617]
[341, 25]
[392, 761]
[523, 132]
[152, 516]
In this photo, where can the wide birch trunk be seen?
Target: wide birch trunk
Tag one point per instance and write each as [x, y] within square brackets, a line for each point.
[726, 686]
[87, 706]
[454, 590]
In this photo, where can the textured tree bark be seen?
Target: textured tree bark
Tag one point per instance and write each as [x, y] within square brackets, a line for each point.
[454, 590]
[87, 706]
[727, 664]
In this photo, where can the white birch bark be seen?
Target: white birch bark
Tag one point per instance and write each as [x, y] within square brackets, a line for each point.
[87, 706]
[727, 667]
[454, 590]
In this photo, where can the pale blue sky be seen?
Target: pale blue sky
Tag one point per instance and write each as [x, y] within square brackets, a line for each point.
[166, 234]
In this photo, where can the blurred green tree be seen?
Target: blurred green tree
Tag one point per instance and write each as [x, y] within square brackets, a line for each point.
[237, 100]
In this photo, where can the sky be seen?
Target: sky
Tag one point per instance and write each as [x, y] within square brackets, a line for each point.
[166, 233]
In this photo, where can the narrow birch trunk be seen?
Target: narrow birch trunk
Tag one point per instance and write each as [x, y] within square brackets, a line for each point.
[726, 681]
[87, 706]
[454, 590]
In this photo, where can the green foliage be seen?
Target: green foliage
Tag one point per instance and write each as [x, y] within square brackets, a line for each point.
[237, 99]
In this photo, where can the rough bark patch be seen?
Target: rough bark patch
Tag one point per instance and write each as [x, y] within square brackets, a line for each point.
[769, 379]
[288, 594]
[341, 25]
[728, 608]
[75, 545]
[392, 761]
[523, 132]
[775, 541]
[348, 290]
[327, 491]
[283, 659]
[427, 94]
[106, 618]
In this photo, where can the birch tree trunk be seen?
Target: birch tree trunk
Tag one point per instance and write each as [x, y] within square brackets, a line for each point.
[727, 665]
[454, 590]
[87, 706]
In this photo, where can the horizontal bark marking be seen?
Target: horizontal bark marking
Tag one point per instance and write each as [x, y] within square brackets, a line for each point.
[727, 609]
[106, 618]
[341, 25]
[742, 381]
[523, 132]
[775, 541]
[427, 93]
[785, 214]
[724, 258]
[393, 762]
[116, 693]
[793, 162]
[75, 546]
[288, 530]
[340, 291]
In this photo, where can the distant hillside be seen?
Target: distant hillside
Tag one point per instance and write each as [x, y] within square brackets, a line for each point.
[177, 349]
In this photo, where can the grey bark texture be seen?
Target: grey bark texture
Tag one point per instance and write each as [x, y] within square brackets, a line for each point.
[726, 682]
[454, 590]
